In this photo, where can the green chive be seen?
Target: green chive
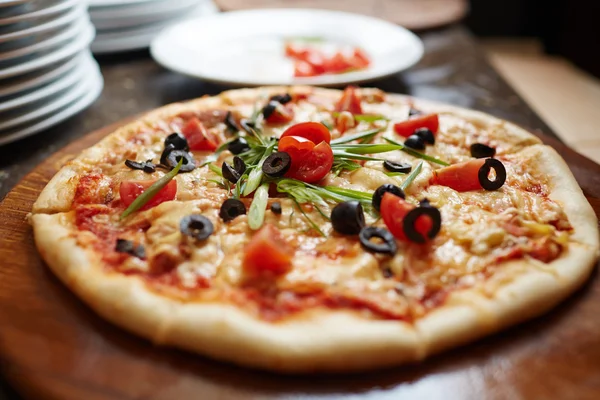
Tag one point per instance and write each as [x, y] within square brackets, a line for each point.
[149, 193]
[369, 148]
[417, 154]
[256, 215]
[410, 178]
[215, 169]
[360, 135]
[366, 117]
[354, 194]
[344, 155]
[310, 221]
[255, 176]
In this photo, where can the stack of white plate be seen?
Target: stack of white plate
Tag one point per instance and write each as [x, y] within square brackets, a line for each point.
[47, 73]
[124, 25]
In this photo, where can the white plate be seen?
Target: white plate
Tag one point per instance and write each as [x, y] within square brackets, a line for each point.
[126, 21]
[49, 25]
[51, 57]
[142, 9]
[44, 93]
[246, 48]
[109, 3]
[92, 91]
[57, 38]
[38, 78]
[40, 10]
[6, 3]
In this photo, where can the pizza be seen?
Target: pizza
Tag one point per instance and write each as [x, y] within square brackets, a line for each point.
[300, 229]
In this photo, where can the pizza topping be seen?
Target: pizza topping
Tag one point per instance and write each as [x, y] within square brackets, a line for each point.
[267, 252]
[230, 173]
[146, 166]
[344, 121]
[348, 218]
[147, 194]
[471, 175]
[415, 153]
[480, 150]
[408, 127]
[178, 141]
[256, 215]
[349, 101]
[403, 168]
[426, 135]
[276, 208]
[415, 142]
[231, 208]
[269, 109]
[385, 245]
[198, 137]
[196, 226]
[313, 131]
[310, 162]
[174, 157]
[127, 246]
[281, 98]
[277, 164]
[230, 122]
[277, 113]
[409, 223]
[414, 112]
[382, 190]
[238, 145]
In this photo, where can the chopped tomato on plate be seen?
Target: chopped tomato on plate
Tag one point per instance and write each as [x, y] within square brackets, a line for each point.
[310, 61]
[408, 127]
[130, 190]
[267, 252]
[198, 137]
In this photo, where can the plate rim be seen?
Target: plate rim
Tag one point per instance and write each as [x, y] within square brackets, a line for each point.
[43, 12]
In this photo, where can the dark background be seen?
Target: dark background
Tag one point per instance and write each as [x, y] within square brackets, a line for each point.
[569, 28]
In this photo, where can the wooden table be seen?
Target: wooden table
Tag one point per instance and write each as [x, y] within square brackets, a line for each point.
[453, 70]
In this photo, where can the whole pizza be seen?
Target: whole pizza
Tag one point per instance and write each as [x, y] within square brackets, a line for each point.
[301, 229]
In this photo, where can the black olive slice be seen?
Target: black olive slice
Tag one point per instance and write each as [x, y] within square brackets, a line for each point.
[413, 111]
[146, 166]
[239, 165]
[393, 166]
[426, 135]
[415, 142]
[127, 246]
[231, 208]
[277, 164]
[188, 161]
[383, 189]
[480, 150]
[484, 171]
[230, 122]
[388, 246]
[281, 98]
[238, 146]
[230, 173]
[348, 218]
[276, 208]
[197, 226]
[178, 141]
[163, 157]
[269, 109]
[408, 224]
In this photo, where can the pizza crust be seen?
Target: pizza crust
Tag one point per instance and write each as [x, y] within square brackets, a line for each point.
[318, 340]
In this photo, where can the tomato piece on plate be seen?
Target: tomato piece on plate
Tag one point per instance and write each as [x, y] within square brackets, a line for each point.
[130, 190]
[313, 131]
[349, 101]
[281, 115]
[461, 177]
[316, 59]
[310, 163]
[394, 209]
[408, 127]
[337, 63]
[302, 69]
[198, 137]
[267, 252]
[359, 59]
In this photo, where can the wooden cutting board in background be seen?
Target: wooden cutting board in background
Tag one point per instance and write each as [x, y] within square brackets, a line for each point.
[411, 14]
[52, 346]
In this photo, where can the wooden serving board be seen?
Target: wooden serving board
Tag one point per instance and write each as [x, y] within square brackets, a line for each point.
[52, 346]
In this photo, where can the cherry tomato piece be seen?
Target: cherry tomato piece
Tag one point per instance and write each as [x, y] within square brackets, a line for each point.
[394, 209]
[282, 114]
[461, 177]
[198, 137]
[310, 163]
[130, 190]
[359, 59]
[267, 252]
[408, 127]
[349, 101]
[313, 131]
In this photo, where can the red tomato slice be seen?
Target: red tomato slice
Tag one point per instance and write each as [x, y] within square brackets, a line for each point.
[337, 63]
[408, 127]
[197, 136]
[461, 177]
[313, 131]
[359, 59]
[282, 114]
[130, 190]
[310, 163]
[394, 209]
[267, 252]
[349, 101]
[303, 69]
[316, 59]
[294, 51]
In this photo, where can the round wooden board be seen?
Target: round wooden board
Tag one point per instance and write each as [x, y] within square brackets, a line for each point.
[53, 347]
[411, 14]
